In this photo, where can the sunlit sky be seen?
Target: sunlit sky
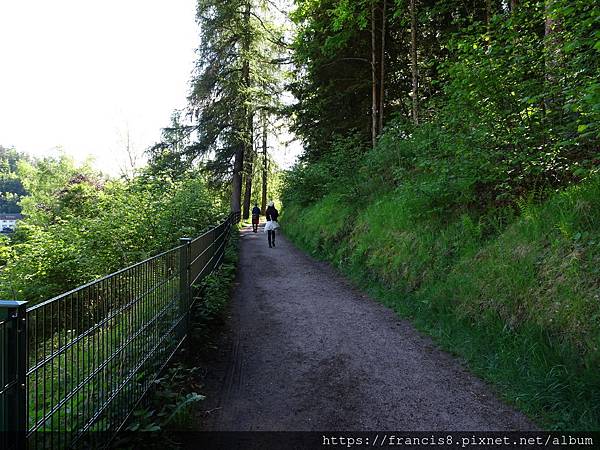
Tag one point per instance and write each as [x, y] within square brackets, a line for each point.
[81, 74]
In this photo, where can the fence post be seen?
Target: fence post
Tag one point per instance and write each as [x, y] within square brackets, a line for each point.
[13, 374]
[213, 246]
[227, 234]
[226, 237]
[184, 285]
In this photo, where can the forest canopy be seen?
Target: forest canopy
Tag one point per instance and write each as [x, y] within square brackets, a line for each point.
[502, 97]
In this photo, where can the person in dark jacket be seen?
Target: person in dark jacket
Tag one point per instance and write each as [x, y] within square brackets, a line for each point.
[271, 215]
[255, 217]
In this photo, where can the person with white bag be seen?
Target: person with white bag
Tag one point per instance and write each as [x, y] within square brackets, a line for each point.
[271, 214]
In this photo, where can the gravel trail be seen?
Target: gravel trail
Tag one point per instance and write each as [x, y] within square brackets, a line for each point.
[310, 352]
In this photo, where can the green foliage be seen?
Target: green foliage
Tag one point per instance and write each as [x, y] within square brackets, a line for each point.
[5, 249]
[511, 104]
[480, 223]
[517, 92]
[79, 227]
[331, 75]
[513, 292]
[215, 292]
[170, 158]
[274, 180]
[48, 181]
[171, 402]
[335, 172]
[11, 188]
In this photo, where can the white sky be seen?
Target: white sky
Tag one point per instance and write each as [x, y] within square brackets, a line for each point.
[79, 74]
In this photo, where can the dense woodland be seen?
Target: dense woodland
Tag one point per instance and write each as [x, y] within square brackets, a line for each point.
[502, 97]
[451, 169]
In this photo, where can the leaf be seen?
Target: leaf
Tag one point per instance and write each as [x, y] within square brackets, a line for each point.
[189, 399]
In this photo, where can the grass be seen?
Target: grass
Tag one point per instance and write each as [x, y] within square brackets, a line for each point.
[516, 295]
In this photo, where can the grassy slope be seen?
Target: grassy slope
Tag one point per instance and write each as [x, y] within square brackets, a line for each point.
[519, 302]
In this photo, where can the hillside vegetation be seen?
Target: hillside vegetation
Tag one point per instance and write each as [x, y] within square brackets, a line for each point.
[475, 210]
[516, 293]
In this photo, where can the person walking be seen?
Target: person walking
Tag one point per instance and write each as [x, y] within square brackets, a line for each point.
[255, 217]
[271, 215]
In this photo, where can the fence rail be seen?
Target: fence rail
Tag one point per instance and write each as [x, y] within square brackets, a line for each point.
[80, 362]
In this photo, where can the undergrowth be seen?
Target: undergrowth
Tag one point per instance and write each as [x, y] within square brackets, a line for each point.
[515, 292]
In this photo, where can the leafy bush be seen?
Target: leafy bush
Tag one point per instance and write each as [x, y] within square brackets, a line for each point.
[308, 182]
[79, 227]
[172, 401]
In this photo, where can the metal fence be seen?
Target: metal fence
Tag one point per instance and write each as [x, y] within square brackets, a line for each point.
[73, 368]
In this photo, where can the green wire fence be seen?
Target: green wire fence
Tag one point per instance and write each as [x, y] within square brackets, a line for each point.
[73, 368]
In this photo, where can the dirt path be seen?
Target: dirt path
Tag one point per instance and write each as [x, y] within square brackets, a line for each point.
[309, 352]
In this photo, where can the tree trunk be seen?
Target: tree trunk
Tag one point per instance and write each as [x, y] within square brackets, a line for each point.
[236, 182]
[374, 75]
[382, 62]
[413, 57]
[263, 205]
[247, 126]
[249, 169]
[552, 62]
[551, 25]
[513, 5]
